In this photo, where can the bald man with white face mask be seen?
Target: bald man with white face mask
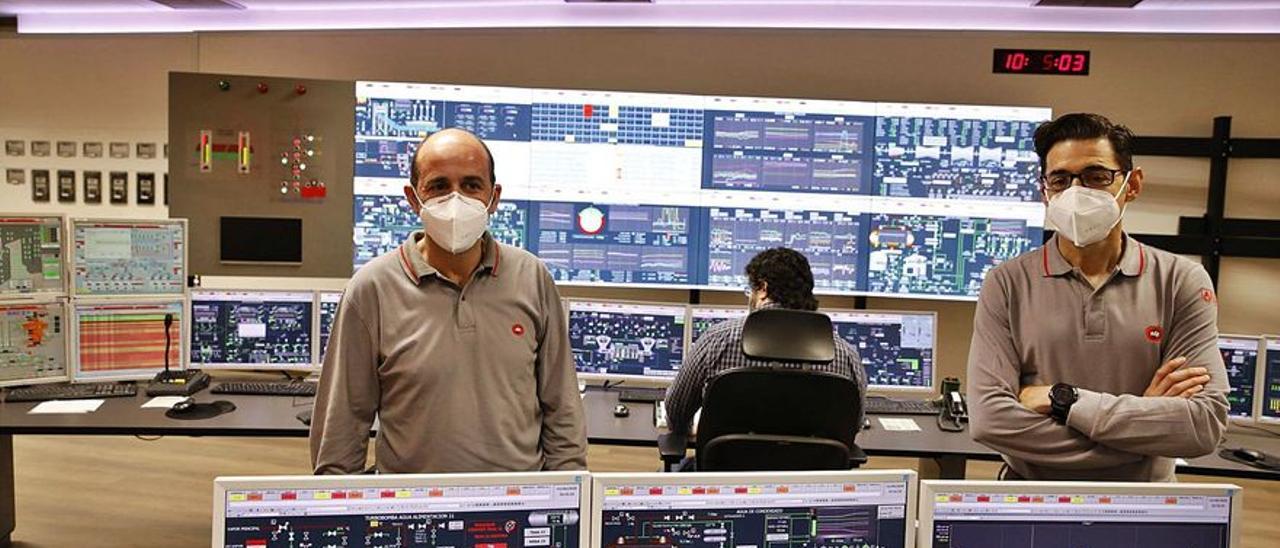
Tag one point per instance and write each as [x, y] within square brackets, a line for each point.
[1095, 357]
[456, 343]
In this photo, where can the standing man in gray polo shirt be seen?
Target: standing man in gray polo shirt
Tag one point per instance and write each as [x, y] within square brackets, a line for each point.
[1095, 357]
[456, 343]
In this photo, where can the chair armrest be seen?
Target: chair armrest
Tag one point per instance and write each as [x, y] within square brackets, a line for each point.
[671, 448]
[857, 457]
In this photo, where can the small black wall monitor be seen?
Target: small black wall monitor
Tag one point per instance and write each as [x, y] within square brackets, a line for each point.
[260, 240]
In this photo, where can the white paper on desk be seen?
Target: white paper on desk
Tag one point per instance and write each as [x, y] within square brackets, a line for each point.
[899, 424]
[1180, 462]
[55, 407]
[162, 402]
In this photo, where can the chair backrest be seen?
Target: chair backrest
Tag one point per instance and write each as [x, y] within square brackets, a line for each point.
[780, 334]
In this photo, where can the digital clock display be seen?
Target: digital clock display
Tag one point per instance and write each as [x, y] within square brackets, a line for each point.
[1040, 61]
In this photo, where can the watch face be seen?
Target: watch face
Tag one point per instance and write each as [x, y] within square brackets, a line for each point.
[1063, 394]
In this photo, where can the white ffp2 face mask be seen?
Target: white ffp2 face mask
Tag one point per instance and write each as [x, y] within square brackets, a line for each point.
[1085, 215]
[453, 221]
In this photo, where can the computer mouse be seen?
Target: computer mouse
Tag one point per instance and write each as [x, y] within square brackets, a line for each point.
[183, 405]
[1249, 455]
[621, 411]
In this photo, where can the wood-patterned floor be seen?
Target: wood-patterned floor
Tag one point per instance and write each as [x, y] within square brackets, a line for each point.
[126, 492]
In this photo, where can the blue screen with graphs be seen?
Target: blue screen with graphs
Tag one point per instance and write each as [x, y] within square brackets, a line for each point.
[647, 189]
[896, 347]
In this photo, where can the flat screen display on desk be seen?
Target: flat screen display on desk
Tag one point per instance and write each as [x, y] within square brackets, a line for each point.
[112, 341]
[128, 258]
[623, 340]
[897, 348]
[238, 329]
[32, 255]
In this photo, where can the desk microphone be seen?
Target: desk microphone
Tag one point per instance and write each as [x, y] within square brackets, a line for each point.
[175, 383]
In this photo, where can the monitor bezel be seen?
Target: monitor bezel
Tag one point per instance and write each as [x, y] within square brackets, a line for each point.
[317, 352]
[1260, 416]
[602, 481]
[64, 306]
[894, 389]
[1255, 410]
[184, 332]
[221, 485]
[631, 380]
[929, 489]
[72, 285]
[64, 260]
[308, 366]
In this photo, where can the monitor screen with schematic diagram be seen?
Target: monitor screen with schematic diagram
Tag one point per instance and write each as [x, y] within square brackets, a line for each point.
[642, 343]
[241, 329]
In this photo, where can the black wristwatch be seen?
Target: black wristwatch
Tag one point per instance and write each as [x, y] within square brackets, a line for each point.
[1061, 397]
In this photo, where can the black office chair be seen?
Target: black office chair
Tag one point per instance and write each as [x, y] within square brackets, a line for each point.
[775, 417]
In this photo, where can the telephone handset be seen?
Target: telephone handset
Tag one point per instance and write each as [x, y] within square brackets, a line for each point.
[953, 414]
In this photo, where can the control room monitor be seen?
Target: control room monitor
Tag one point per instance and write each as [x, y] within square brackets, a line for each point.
[897, 348]
[32, 255]
[328, 301]
[1240, 356]
[546, 509]
[703, 317]
[820, 509]
[236, 329]
[128, 257]
[989, 514]
[638, 341]
[33, 342]
[1269, 407]
[112, 341]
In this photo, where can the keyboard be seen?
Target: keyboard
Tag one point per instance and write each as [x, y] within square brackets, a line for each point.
[264, 388]
[879, 405]
[43, 392]
[643, 395]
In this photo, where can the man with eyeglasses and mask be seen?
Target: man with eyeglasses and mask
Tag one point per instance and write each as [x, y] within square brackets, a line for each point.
[1095, 357]
[778, 277]
[456, 343]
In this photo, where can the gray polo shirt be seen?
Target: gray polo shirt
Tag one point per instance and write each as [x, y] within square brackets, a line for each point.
[468, 379]
[1040, 322]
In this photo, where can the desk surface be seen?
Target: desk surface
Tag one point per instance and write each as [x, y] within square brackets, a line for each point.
[276, 416]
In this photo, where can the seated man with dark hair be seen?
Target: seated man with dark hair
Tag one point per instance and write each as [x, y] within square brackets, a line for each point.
[777, 277]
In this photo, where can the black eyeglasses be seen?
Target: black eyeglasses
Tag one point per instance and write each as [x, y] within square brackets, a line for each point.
[1093, 177]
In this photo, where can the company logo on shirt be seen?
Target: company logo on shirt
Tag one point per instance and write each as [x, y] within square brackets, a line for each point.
[1206, 294]
[517, 330]
[1154, 333]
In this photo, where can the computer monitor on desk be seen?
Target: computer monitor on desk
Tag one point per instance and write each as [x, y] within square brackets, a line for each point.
[237, 329]
[897, 348]
[33, 342]
[126, 340]
[987, 514]
[32, 255]
[527, 510]
[328, 310]
[824, 509]
[1240, 355]
[1269, 391]
[640, 343]
[128, 257]
[703, 317]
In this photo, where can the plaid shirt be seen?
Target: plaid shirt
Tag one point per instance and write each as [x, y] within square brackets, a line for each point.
[720, 349]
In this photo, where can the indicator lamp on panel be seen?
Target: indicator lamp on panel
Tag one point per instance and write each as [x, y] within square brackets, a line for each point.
[263, 87]
[300, 89]
[244, 152]
[206, 151]
[224, 85]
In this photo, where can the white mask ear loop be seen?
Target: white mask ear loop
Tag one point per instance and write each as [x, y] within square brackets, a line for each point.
[1121, 191]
